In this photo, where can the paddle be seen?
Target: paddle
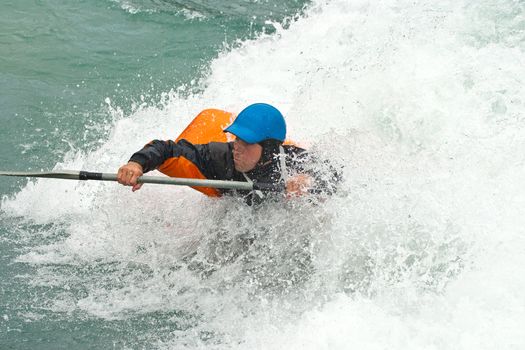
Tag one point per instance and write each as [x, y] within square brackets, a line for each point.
[86, 175]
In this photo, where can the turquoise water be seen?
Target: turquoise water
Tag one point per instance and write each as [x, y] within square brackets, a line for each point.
[420, 102]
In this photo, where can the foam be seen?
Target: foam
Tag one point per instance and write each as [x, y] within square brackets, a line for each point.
[422, 247]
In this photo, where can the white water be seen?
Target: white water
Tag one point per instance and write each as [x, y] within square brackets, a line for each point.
[423, 248]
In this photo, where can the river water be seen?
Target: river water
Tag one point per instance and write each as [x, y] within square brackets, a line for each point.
[421, 104]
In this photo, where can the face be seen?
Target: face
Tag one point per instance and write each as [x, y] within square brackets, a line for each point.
[246, 155]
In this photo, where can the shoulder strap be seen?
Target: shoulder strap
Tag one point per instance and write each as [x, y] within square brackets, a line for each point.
[282, 160]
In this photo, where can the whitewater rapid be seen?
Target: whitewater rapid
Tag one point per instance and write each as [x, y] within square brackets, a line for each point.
[423, 246]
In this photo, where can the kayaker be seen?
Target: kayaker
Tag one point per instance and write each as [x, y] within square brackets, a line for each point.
[257, 154]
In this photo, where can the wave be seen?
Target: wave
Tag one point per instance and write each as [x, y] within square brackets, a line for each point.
[421, 103]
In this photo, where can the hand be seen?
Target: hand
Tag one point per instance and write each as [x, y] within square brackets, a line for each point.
[298, 185]
[128, 174]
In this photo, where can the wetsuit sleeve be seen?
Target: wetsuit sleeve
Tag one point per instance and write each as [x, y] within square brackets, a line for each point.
[184, 159]
[157, 152]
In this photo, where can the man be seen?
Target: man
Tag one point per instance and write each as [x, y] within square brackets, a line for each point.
[257, 154]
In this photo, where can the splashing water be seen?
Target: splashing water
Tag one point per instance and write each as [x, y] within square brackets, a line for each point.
[422, 247]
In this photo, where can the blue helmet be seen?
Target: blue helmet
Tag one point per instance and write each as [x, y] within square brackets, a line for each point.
[259, 122]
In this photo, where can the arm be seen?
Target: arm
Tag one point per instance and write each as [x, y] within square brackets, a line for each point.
[181, 159]
[155, 153]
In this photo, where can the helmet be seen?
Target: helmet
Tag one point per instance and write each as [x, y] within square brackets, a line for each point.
[259, 122]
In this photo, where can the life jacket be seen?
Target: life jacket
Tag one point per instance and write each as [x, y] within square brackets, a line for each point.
[206, 127]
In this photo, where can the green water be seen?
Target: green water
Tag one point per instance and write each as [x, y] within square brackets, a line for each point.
[59, 62]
